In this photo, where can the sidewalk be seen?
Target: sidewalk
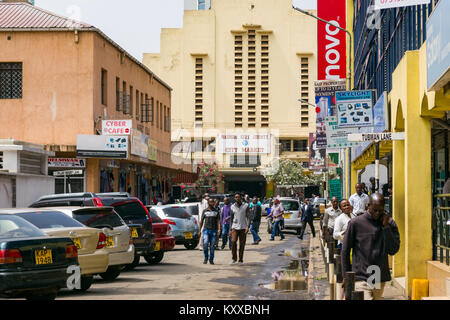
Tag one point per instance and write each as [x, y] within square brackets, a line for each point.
[318, 272]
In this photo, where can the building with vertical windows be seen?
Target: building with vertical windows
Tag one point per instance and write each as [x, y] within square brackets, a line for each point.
[404, 53]
[240, 66]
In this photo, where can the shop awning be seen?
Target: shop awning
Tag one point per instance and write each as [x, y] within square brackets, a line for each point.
[368, 156]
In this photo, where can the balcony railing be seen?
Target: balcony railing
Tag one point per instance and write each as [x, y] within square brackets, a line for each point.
[441, 229]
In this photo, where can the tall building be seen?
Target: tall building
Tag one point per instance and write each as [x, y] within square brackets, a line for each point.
[240, 66]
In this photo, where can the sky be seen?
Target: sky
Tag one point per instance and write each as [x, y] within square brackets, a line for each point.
[134, 24]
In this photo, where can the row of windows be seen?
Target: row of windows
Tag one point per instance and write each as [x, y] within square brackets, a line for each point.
[304, 91]
[199, 92]
[294, 145]
[131, 102]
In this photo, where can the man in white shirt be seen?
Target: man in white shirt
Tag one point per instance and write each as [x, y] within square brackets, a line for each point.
[329, 219]
[359, 201]
[341, 223]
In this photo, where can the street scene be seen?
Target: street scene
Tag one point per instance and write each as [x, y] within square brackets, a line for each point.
[218, 150]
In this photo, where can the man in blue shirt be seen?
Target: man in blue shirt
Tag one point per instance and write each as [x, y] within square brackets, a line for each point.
[226, 219]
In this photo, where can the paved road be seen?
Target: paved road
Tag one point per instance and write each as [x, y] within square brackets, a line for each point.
[183, 276]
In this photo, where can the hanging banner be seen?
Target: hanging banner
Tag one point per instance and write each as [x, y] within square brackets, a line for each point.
[139, 144]
[325, 91]
[331, 42]
[317, 157]
[321, 135]
[335, 189]
[386, 4]
[152, 150]
[355, 108]
[338, 137]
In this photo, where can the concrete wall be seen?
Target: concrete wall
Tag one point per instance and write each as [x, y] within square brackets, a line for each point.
[438, 275]
[28, 189]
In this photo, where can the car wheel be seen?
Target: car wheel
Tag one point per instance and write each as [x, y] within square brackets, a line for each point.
[191, 245]
[154, 258]
[111, 274]
[86, 282]
[134, 264]
[42, 296]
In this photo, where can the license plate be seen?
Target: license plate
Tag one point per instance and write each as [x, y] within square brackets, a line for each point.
[109, 242]
[188, 235]
[287, 216]
[77, 242]
[157, 246]
[43, 256]
[134, 233]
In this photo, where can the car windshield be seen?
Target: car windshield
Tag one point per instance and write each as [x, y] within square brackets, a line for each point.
[98, 218]
[131, 210]
[193, 210]
[15, 227]
[154, 216]
[290, 205]
[50, 219]
[176, 212]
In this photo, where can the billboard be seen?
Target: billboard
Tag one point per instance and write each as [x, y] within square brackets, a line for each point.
[117, 127]
[139, 144]
[386, 4]
[337, 137]
[241, 143]
[331, 42]
[354, 108]
[93, 146]
[317, 157]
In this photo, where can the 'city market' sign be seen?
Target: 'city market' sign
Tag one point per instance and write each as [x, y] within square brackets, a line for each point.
[386, 4]
[242, 143]
[385, 136]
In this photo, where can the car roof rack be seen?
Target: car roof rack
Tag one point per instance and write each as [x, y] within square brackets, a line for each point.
[114, 194]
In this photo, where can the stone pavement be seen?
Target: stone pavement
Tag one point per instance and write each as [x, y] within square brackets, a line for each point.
[318, 272]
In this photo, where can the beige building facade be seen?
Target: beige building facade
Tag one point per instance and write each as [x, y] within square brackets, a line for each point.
[240, 67]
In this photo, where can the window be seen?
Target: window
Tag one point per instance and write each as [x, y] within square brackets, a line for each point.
[98, 218]
[285, 145]
[154, 216]
[50, 220]
[11, 80]
[118, 100]
[177, 212]
[137, 104]
[104, 88]
[157, 114]
[201, 4]
[131, 210]
[131, 101]
[300, 145]
[14, 227]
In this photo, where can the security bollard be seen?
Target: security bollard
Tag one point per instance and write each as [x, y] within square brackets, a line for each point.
[357, 295]
[331, 281]
[349, 285]
[339, 278]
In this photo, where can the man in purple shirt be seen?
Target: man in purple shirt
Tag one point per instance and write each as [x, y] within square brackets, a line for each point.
[226, 220]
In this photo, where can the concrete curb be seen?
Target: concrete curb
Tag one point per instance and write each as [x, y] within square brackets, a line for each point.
[317, 277]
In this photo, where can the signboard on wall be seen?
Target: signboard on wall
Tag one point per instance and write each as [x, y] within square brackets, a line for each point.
[354, 108]
[242, 143]
[438, 47]
[93, 146]
[317, 157]
[139, 144]
[338, 137]
[117, 127]
[66, 163]
[331, 42]
[152, 150]
[386, 4]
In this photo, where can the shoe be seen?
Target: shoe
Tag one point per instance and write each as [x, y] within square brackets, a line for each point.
[259, 241]
[233, 262]
[240, 263]
[282, 238]
[205, 261]
[272, 239]
[211, 262]
[254, 243]
[222, 247]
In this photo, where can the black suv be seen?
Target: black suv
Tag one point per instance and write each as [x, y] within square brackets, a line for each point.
[130, 209]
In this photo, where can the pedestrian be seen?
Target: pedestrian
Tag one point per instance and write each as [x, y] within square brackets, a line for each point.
[329, 219]
[359, 201]
[364, 189]
[372, 185]
[341, 223]
[217, 208]
[255, 221]
[307, 218]
[203, 206]
[240, 221]
[277, 214]
[211, 223]
[226, 218]
[371, 236]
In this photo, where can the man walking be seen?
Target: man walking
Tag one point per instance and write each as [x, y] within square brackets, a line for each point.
[372, 236]
[211, 222]
[204, 204]
[329, 219]
[240, 221]
[341, 222]
[372, 186]
[359, 201]
[255, 221]
[277, 215]
[226, 217]
[307, 218]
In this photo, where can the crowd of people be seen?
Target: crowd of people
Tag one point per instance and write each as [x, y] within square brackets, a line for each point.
[366, 235]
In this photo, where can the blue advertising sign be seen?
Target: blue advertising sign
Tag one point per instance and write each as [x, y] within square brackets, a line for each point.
[438, 46]
[354, 109]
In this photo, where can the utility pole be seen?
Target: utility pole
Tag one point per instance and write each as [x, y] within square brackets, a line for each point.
[349, 82]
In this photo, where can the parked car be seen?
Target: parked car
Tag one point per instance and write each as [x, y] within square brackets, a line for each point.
[165, 241]
[292, 215]
[319, 207]
[184, 225]
[119, 241]
[193, 209]
[130, 209]
[90, 242]
[33, 265]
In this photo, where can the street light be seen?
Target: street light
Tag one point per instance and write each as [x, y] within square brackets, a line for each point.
[345, 30]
